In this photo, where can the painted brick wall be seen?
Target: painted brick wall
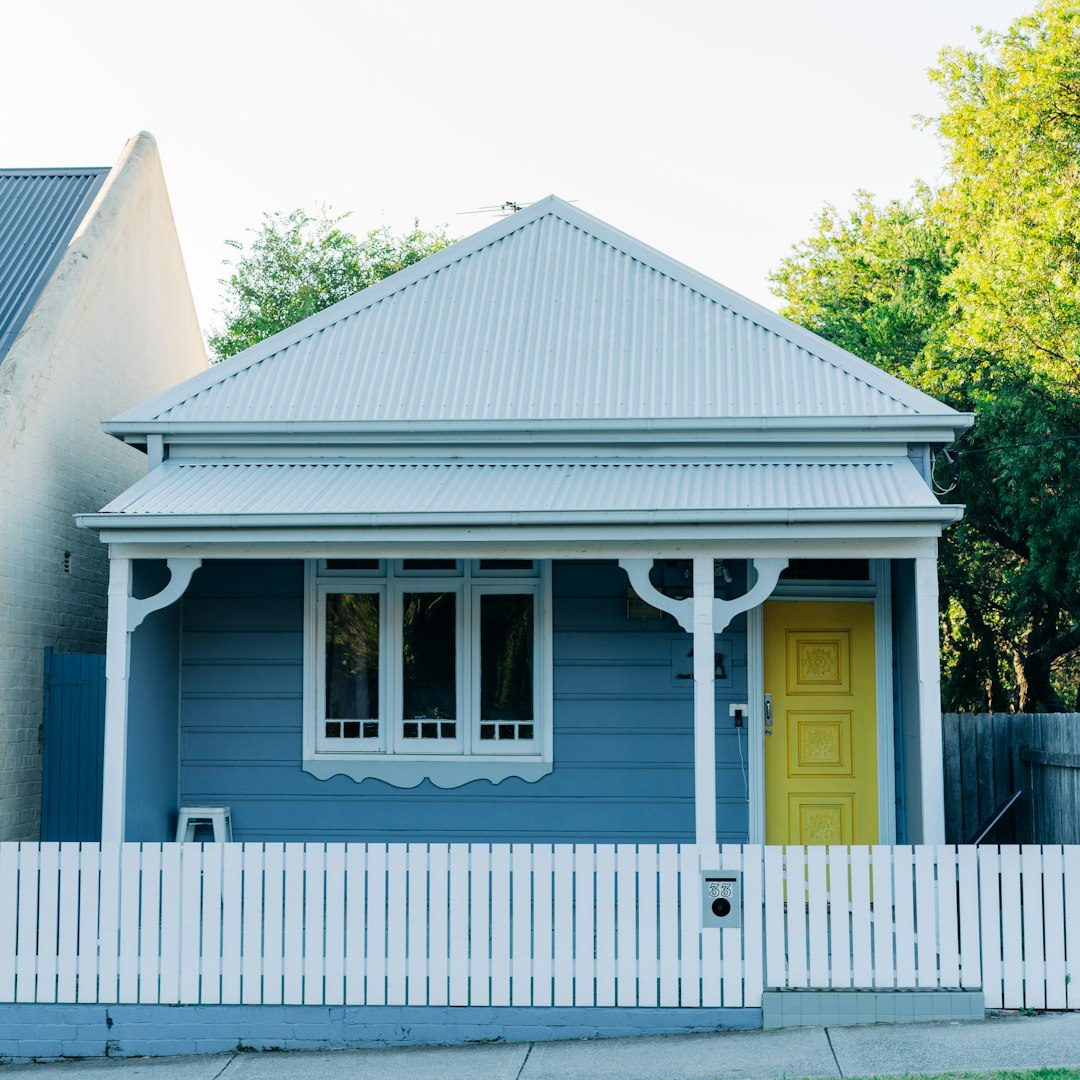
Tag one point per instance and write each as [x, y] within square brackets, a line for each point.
[623, 732]
[103, 337]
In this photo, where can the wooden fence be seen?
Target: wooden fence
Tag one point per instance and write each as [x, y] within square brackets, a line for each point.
[989, 756]
[524, 924]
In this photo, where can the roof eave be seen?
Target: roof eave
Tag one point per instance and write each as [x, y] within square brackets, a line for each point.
[931, 427]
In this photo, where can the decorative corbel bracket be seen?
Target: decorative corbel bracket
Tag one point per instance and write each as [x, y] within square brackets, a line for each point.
[180, 571]
[768, 572]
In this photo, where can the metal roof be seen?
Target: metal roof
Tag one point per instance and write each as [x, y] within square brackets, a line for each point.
[40, 209]
[226, 495]
[547, 317]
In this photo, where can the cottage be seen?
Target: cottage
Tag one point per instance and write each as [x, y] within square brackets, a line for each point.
[545, 538]
[95, 314]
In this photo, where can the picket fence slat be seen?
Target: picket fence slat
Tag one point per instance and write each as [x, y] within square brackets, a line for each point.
[948, 929]
[668, 915]
[1031, 885]
[48, 925]
[397, 856]
[334, 967]
[1071, 861]
[990, 926]
[354, 923]
[438, 927]
[521, 918]
[543, 925]
[500, 924]
[1011, 930]
[903, 877]
[968, 917]
[818, 901]
[210, 988]
[416, 907]
[190, 910]
[375, 884]
[862, 957]
[648, 971]
[881, 871]
[794, 884]
[925, 917]
[1054, 913]
[479, 971]
[752, 941]
[529, 925]
[251, 915]
[775, 949]
[690, 936]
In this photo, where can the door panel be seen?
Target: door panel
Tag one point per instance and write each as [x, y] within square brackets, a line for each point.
[821, 754]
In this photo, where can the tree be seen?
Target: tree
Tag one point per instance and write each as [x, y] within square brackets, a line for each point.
[299, 264]
[972, 293]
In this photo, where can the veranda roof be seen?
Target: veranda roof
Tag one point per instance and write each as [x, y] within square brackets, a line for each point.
[216, 495]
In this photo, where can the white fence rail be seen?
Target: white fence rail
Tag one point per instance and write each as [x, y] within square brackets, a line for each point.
[528, 924]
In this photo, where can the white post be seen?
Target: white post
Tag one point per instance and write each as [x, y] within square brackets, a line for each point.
[928, 659]
[117, 663]
[704, 705]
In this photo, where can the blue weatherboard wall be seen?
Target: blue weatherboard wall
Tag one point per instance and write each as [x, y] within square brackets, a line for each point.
[623, 735]
[153, 692]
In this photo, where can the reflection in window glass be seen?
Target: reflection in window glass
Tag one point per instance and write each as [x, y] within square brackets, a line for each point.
[352, 656]
[429, 657]
[506, 659]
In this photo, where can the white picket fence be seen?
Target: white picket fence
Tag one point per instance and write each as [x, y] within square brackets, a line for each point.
[528, 924]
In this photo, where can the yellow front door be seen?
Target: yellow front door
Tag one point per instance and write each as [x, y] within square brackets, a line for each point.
[821, 750]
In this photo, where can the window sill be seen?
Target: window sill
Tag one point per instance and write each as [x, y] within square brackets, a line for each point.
[443, 772]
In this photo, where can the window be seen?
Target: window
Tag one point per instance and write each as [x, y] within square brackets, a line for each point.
[428, 668]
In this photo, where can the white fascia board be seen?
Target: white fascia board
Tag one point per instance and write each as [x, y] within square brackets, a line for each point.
[938, 428]
[468, 521]
[516, 538]
[789, 544]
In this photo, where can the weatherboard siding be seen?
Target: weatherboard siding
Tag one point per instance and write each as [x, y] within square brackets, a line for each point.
[623, 731]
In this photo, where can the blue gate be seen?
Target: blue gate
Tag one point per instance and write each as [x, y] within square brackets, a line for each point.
[73, 750]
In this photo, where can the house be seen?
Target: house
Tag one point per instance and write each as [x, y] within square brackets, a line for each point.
[545, 538]
[95, 315]
[560, 631]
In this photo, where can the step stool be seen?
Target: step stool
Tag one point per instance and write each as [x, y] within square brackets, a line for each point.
[217, 818]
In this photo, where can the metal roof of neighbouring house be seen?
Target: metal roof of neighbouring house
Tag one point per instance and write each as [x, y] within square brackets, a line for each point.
[369, 495]
[548, 319]
[40, 209]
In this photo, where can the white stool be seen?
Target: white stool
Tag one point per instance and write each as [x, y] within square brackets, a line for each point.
[217, 818]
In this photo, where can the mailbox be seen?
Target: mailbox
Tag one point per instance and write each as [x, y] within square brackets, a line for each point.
[721, 898]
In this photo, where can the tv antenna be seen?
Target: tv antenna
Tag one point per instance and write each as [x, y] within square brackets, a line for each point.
[504, 209]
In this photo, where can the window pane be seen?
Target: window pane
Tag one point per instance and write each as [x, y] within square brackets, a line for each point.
[506, 658]
[429, 656]
[507, 564]
[352, 656]
[352, 564]
[827, 570]
[429, 565]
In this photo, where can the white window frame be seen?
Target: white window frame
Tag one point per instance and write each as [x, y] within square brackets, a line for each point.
[405, 763]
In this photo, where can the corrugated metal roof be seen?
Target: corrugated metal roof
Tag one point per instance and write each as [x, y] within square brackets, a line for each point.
[40, 209]
[548, 316]
[472, 492]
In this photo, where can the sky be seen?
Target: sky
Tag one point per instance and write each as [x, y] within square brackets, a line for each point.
[715, 131]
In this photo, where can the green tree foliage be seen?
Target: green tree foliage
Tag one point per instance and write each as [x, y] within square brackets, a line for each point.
[297, 264]
[972, 292]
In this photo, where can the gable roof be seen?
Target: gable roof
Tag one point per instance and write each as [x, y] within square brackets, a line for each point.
[40, 209]
[546, 319]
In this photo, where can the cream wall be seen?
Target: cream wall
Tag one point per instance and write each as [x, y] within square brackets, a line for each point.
[114, 326]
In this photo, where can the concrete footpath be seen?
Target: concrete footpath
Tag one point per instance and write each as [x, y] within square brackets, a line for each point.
[1005, 1041]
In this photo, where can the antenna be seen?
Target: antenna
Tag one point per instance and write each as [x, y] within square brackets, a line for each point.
[504, 209]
